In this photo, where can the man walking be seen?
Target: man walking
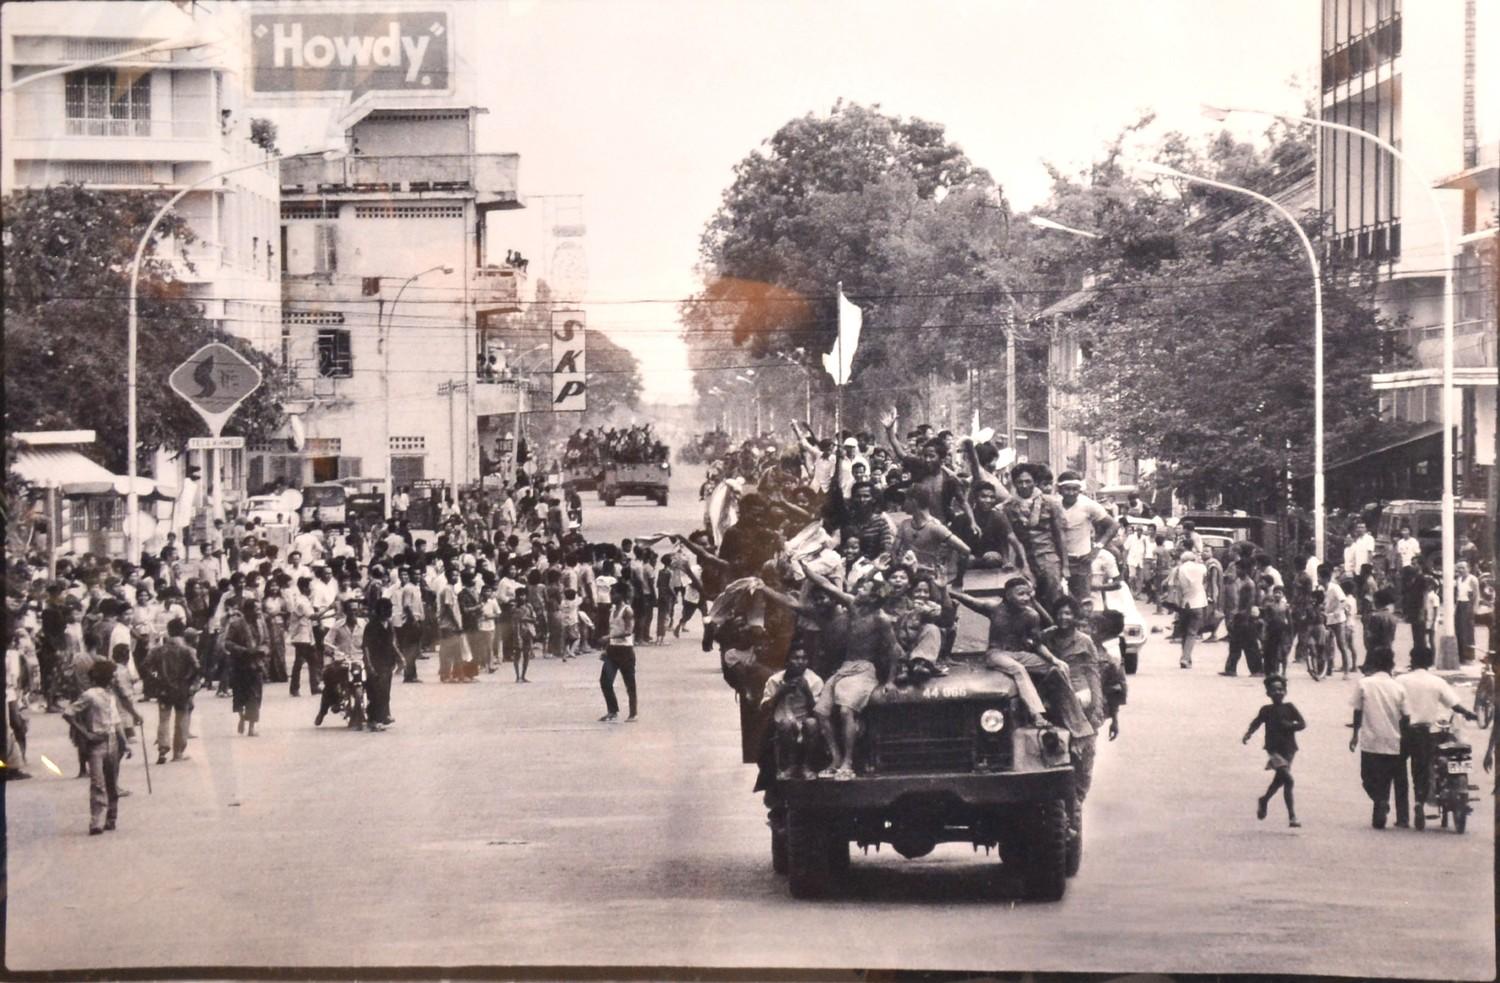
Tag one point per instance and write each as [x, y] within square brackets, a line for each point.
[407, 612]
[1082, 517]
[1465, 590]
[173, 667]
[1191, 582]
[1429, 697]
[1380, 717]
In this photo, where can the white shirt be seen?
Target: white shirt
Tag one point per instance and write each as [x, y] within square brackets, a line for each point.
[1105, 569]
[1382, 703]
[1465, 587]
[1271, 572]
[1428, 695]
[1333, 604]
[1360, 552]
[1191, 577]
[1312, 568]
[309, 544]
[1135, 550]
[1078, 524]
[323, 594]
[1408, 549]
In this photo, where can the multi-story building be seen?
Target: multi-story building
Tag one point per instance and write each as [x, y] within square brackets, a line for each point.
[154, 121]
[391, 291]
[83, 103]
[1425, 77]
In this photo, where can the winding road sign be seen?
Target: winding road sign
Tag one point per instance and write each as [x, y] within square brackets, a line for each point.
[215, 380]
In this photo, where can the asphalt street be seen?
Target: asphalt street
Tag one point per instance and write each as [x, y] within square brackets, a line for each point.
[500, 824]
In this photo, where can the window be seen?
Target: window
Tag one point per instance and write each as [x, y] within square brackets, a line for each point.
[283, 249]
[107, 103]
[326, 249]
[408, 211]
[335, 356]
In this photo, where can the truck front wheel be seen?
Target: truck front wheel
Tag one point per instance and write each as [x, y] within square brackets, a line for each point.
[1045, 870]
[809, 870]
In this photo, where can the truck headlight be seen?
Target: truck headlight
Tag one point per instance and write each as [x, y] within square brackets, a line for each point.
[991, 721]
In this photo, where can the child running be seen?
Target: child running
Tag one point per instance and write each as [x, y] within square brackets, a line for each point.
[1282, 721]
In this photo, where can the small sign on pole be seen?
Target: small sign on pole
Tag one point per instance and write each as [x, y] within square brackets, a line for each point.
[570, 389]
[216, 443]
[215, 380]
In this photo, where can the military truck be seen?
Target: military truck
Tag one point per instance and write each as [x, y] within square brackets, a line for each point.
[649, 480]
[945, 760]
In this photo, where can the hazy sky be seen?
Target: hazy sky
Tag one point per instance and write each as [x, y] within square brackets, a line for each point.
[644, 106]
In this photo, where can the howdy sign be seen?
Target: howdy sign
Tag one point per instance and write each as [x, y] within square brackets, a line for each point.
[570, 388]
[350, 52]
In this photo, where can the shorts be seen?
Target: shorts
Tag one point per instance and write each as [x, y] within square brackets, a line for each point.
[1274, 760]
[1192, 620]
[850, 687]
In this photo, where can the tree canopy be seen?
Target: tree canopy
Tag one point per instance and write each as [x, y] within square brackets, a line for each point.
[890, 208]
[67, 271]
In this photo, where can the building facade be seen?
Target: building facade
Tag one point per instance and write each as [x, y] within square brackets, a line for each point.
[1425, 77]
[391, 293]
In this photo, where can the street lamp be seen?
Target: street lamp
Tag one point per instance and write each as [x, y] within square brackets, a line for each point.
[133, 332]
[806, 378]
[754, 395]
[1449, 525]
[1319, 518]
[387, 325]
[1047, 223]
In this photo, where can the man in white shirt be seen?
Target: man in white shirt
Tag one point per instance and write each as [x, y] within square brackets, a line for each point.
[1408, 547]
[1361, 551]
[324, 595]
[1135, 558]
[309, 543]
[1192, 583]
[1380, 717]
[1465, 591]
[295, 568]
[1430, 701]
[1081, 517]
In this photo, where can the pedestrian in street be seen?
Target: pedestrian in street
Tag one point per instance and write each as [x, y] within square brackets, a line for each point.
[381, 659]
[1190, 585]
[619, 655]
[450, 632]
[1244, 622]
[173, 666]
[274, 609]
[407, 612]
[1429, 700]
[1281, 721]
[300, 633]
[94, 720]
[1380, 718]
[245, 643]
[1465, 591]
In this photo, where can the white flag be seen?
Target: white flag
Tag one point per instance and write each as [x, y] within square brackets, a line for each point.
[838, 362]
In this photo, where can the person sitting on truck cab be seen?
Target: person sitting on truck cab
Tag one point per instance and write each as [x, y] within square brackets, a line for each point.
[870, 659]
[1016, 649]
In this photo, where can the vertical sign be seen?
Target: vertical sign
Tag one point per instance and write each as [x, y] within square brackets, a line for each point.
[570, 390]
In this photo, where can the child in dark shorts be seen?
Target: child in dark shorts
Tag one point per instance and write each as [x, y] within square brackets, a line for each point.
[1282, 721]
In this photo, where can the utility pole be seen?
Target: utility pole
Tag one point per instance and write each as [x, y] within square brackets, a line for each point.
[1010, 383]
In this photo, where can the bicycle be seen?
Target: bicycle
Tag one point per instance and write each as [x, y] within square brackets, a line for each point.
[1312, 645]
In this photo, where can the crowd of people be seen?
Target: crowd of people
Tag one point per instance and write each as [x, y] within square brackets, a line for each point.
[635, 444]
[507, 579]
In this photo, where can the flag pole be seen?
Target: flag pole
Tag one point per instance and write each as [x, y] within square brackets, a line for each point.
[838, 388]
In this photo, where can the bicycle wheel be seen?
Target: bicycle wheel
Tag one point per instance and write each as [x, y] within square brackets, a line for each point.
[1314, 657]
[1484, 709]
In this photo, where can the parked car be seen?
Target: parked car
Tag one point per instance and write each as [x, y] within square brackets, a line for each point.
[1117, 597]
[325, 503]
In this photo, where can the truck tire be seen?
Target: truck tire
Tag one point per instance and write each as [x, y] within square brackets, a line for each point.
[807, 854]
[1130, 661]
[1044, 851]
[1075, 837]
[838, 855]
[661, 499]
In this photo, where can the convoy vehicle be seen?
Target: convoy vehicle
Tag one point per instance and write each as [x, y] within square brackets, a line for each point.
[943, 760]
[583, 477]
[648, 480]
[366, 498]
[326, 503]
[1425, 519]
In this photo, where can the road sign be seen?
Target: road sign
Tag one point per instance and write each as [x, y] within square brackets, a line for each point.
[216, 443]
[306, 51]
[570, 388]
[215, 380]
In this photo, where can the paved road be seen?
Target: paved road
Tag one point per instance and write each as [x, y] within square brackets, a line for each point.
[500, 824]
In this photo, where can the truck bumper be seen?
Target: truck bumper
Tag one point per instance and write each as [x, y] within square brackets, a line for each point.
[882, 792]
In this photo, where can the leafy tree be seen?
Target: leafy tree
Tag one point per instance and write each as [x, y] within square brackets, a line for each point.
[889, 207]
[67, 272]
[263, 134]
[1199, 342]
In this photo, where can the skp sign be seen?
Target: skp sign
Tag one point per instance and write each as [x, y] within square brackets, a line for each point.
[295, 52]
[570, 387]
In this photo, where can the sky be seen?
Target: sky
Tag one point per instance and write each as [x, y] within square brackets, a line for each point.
[643, 107]
[638, 110]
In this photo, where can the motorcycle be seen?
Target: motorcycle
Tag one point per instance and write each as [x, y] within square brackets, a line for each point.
[1452, 763]
[346, 680]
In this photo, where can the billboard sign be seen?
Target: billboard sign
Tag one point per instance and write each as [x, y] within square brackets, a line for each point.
[300, 52]
[570, 388]
[215, 380]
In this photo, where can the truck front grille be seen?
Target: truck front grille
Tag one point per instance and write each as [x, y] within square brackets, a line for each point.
[917, 738]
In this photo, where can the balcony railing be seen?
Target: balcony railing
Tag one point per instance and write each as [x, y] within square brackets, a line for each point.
[498, 288]
[494, 174]
[49, 127]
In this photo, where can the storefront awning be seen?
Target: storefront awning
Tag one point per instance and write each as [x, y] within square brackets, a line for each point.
[72, 473]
